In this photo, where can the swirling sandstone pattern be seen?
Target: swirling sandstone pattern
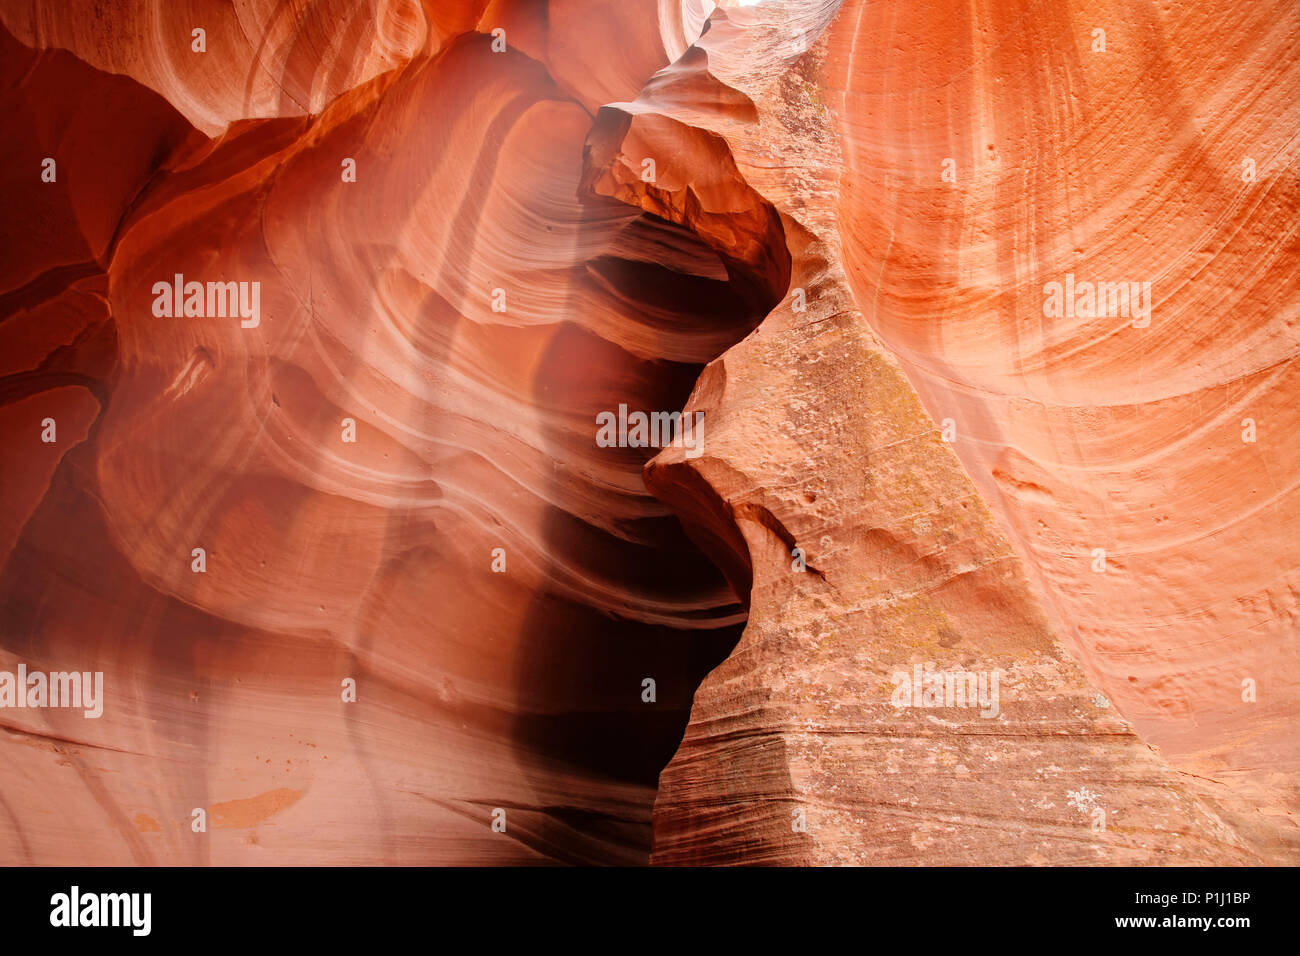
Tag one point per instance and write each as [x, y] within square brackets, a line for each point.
[801, 265]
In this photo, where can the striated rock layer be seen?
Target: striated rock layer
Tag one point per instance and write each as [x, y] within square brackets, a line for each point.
[826, 226]
[927, 295]
[496, 584]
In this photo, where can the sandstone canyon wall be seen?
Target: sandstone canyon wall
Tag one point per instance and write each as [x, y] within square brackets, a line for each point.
[365, 587]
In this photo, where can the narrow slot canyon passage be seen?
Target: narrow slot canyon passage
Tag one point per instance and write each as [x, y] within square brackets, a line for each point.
[393, 479]
[655, 606]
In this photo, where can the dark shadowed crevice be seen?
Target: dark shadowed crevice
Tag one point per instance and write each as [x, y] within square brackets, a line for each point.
[695, 292]
[697, 300]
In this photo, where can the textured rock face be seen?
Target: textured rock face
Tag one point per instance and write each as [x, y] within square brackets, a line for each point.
[916, 281]
[837, 253]
[1160, 440]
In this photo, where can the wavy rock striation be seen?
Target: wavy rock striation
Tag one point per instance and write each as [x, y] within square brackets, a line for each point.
[465, 314]
[474, 227]
[794, 752]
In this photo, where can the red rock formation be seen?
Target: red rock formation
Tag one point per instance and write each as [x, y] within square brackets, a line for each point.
[908, 567]
[503, 266]
[328, 559]
[1084, 433]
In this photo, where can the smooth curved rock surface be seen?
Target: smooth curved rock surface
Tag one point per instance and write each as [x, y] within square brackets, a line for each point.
[1122, 165]
[371, 559]
[886, 404]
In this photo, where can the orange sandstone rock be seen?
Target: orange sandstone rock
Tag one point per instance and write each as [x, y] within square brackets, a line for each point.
[363, 584]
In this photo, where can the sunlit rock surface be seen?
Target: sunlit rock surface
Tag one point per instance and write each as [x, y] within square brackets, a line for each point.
[475, 227]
